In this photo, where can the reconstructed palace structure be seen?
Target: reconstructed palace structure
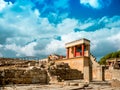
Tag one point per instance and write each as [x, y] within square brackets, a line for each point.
[78, 56]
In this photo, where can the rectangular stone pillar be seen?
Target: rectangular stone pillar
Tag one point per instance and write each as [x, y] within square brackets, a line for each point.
[87, 70]
[74, 51]
[87, 77]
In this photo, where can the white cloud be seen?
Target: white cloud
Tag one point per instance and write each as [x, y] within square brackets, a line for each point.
[113, 22]
[1, 46]
[27, 50]
[67, 26]
[12, 47]
[97, 4]
[37, 13]
[91, 3]
[85, 25]
[4, 4]
[54, 46]
[115, 39]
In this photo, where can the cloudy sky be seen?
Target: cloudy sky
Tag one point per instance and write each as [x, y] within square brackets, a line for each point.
[41, 27]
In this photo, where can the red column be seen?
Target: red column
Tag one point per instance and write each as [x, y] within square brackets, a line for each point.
[67, 53]
[74, 51]
[82, 49]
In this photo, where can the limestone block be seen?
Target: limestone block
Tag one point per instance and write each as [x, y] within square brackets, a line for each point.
[115, 83]
[74, 84]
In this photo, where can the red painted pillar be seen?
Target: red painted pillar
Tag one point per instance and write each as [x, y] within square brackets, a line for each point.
[82, 49]
[67, 53]
[74, 51]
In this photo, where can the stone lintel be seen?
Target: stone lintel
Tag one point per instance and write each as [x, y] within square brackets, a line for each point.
[77, 42]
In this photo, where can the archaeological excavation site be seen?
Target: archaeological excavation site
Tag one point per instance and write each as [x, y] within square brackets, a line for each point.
[78, 70]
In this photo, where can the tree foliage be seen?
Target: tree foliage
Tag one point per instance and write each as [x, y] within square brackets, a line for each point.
[108, 56]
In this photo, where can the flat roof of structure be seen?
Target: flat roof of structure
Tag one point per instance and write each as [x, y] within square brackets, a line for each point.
[78, 42]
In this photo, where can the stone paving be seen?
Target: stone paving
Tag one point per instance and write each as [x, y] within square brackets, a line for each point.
[63, 86]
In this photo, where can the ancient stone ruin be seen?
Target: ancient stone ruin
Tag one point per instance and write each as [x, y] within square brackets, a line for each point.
[79, 64]
[44, 73]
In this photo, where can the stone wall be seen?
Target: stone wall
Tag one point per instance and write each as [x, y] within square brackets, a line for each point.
[108, 74]
[112, 74]
[75, 63]
[10, 62]
[98, 73]
[67, 74]
[18, 76]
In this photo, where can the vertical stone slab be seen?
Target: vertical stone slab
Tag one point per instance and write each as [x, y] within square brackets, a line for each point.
[100, 73]
[87, 74]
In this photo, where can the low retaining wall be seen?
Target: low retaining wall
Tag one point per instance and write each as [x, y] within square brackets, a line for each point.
[112, 74]
[67, 74]
[17, 76]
